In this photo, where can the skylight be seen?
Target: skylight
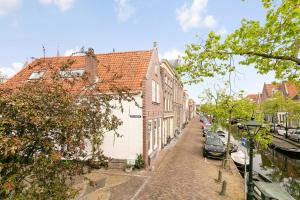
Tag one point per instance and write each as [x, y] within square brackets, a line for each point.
[71, 73]
[36, 75]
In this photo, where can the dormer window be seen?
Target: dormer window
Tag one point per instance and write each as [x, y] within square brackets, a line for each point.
[73, 73]
[36, 75]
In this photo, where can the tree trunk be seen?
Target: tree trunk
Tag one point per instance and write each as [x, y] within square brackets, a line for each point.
[226, 162]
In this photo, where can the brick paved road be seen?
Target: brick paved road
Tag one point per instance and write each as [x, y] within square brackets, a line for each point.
[184, 174]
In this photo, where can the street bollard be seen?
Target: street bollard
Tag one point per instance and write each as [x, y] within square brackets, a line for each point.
[219, 176]
[224, 186]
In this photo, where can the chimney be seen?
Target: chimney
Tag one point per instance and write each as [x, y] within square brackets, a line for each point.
[91, 63]
[154, 44]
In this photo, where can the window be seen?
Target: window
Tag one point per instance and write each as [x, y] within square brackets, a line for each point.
[154, 133]
[36, 75]
[71, 73]
[153, 91]
[157, 93]
[149, 131]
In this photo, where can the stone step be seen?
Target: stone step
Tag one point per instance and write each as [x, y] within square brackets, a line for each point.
[117, 164]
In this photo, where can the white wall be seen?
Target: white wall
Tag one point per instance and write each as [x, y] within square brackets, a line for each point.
[131, 142]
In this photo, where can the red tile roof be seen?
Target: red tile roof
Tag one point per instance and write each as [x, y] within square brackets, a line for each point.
[127, 68]
[269, 88]
[253, 97]
[292, 89]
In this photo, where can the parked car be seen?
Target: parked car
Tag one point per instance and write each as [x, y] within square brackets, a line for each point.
[280, 131]
[274, 129]
[295, 135]
[214, 148]
[291, 130]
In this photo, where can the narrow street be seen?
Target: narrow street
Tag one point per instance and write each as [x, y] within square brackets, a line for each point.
[185, 174]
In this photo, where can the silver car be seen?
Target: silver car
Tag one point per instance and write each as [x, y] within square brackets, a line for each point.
[295, 136]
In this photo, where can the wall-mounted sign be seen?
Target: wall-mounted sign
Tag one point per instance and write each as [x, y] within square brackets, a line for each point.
[135, 116]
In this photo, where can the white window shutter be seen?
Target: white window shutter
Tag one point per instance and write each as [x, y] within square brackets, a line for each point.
[153, 91]
[158, 93]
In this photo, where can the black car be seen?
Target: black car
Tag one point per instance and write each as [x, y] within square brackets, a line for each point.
[214, 148]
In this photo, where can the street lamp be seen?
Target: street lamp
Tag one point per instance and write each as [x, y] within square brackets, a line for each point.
[252, 128]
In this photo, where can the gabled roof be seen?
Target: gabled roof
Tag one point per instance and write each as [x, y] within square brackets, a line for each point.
[271, 88]
[291, 89]
[287, 88]
[130, 68]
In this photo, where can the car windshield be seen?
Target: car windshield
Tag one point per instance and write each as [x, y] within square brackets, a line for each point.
[214, 141]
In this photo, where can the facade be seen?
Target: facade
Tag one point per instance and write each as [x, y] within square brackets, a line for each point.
[191, 109]
[137, 70]
[172, 98]
[289, 90]
[167, 75]
[177, 99]
[152, 109]
[163, 107]
[185, 99]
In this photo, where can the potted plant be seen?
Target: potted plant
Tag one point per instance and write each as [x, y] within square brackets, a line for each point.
[128, 168]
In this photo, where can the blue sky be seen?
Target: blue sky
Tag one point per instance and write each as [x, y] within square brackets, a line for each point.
[122, 25]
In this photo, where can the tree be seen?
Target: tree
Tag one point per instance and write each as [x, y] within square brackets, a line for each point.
[226, 109]
[279, 103]
[272, 46]
[44, 127]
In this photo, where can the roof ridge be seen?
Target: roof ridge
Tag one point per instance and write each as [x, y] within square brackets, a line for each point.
[78, 56]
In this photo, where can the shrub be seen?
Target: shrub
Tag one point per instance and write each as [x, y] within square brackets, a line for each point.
[139, 162]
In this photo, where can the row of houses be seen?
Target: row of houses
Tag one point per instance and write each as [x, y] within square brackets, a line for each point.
[289, 91]
[164, 106]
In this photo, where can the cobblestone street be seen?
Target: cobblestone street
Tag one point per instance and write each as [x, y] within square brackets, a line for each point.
[185, 174]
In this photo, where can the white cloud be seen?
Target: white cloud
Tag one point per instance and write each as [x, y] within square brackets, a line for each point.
[63, 5]
[171, 54]
[209, 21]
[222, 31]
[7, 6]
[124, 10]
[12, 70]
[72, 52]
[194, 16]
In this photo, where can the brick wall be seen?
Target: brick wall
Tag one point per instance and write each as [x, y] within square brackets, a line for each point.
[151, 110]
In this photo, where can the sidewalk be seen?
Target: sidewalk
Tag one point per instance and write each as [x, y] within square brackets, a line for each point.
[179, 172]
[185, 174]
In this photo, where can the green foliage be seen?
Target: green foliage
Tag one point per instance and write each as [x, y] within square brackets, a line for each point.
[224, 107]
[44, 128]
[221, 106]
[272, 46]
[279, 103]
[139, 162]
